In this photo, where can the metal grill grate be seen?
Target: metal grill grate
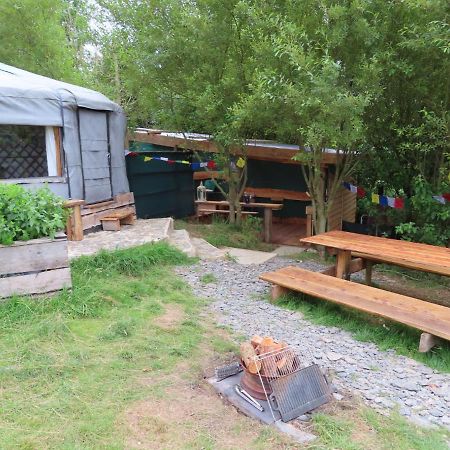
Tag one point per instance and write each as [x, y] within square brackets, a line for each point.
[294, 390]
[22, 152]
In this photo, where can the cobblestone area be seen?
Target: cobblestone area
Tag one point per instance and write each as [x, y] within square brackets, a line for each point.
[383, 379]
[142, 232]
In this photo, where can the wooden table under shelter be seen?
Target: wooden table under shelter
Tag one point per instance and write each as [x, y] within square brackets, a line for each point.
[372, 249]
[209, 206]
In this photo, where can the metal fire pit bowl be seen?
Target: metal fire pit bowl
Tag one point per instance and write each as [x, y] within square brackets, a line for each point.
[252, 384]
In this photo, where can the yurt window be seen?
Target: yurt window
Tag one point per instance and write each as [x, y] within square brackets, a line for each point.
[29, 152]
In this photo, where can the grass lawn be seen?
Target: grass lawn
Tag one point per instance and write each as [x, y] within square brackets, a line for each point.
[221, 234]
[119, 363]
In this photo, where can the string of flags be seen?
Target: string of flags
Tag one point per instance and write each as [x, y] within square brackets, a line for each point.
[385, 200]
[194, 165]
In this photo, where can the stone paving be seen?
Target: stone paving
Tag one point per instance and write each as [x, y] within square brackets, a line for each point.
[142, 232]
[383, 379]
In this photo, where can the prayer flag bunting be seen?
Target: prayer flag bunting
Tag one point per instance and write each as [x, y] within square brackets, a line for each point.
[391, 202]
[383, 200]
[360, 192]
[240, 163]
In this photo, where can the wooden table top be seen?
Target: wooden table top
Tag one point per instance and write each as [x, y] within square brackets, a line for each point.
[250, 205]
[428, 258]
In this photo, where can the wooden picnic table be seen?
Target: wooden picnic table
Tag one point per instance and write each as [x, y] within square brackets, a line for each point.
[372, 249]
[268, 212]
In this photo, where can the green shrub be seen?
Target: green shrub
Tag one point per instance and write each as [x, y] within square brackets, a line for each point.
[28, 214]
[431, 219]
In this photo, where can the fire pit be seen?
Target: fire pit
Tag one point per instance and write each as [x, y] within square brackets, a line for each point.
[252, 384]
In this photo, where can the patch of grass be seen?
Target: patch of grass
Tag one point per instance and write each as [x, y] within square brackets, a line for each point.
[208, 278]
[368, 328]
[70, 363]
[366, 429]
[416, 277]
[222, 234]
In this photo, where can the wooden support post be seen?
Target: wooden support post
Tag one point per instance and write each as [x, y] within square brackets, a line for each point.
[74, 226]
[369, 265]
[278, 291]
[309, 221]
[343, 263]
[427, 341]
[267, 224]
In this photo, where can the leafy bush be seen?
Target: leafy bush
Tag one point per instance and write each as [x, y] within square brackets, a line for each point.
[28, 214]
[431, 219]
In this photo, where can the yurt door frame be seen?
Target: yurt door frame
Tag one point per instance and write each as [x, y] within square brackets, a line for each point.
[93, 129]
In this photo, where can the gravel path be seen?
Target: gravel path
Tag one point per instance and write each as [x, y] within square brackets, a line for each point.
[383, 379]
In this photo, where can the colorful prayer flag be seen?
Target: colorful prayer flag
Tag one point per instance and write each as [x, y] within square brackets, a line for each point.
[399, 203]
[147, 158]
[353, 188]
[360, 192]
[376, 199]
[240, 163]
[211, 165]
[383, 200]
[391, 202]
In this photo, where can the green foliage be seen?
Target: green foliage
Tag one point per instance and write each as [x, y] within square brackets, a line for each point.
[28, 214]
[431, 219]
[220, 233]
[40, 36]
[132, 263]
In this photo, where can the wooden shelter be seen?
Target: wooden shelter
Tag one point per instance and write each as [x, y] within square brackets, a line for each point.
[272, 176]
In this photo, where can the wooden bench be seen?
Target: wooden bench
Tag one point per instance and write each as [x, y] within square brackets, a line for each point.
[208, 212]
[432, 319]
[278, 194]
[113, 221]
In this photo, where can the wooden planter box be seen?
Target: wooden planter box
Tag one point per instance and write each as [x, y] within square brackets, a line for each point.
[37, 266]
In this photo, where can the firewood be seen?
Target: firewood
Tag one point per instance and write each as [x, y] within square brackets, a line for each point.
[256, 341]
[249, 358]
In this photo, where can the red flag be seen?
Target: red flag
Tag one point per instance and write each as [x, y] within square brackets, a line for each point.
[360, 192]
[170, 161]
[399, 203]
[211, 165]
[446, 196]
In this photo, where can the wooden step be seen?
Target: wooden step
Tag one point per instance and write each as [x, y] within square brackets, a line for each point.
[425, 316]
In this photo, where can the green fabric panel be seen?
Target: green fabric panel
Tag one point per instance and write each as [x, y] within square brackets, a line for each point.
[161, 189]
[271, 175]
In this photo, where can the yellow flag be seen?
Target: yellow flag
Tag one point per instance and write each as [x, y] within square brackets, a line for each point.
[240, 163]
[185, 162]
[376, 199]
[147, 158]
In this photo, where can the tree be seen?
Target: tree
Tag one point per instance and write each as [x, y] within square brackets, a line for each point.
[185, 64]
[312, 87]
[34, 38]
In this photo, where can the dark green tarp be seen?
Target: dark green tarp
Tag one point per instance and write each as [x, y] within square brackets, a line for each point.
[160, 189]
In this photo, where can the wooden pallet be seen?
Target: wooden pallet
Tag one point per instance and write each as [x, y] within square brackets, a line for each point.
[91, 215]
[433, 319]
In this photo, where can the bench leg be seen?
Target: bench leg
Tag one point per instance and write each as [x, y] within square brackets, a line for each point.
[343, 264]
[111, 225]
[278, 291]
[369, 272]
[267, 225]
[427, 342]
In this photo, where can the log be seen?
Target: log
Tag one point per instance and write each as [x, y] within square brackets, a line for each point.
[256, 341]
[249, 358]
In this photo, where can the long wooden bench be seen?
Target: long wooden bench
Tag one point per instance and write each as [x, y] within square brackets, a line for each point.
[432, 319]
